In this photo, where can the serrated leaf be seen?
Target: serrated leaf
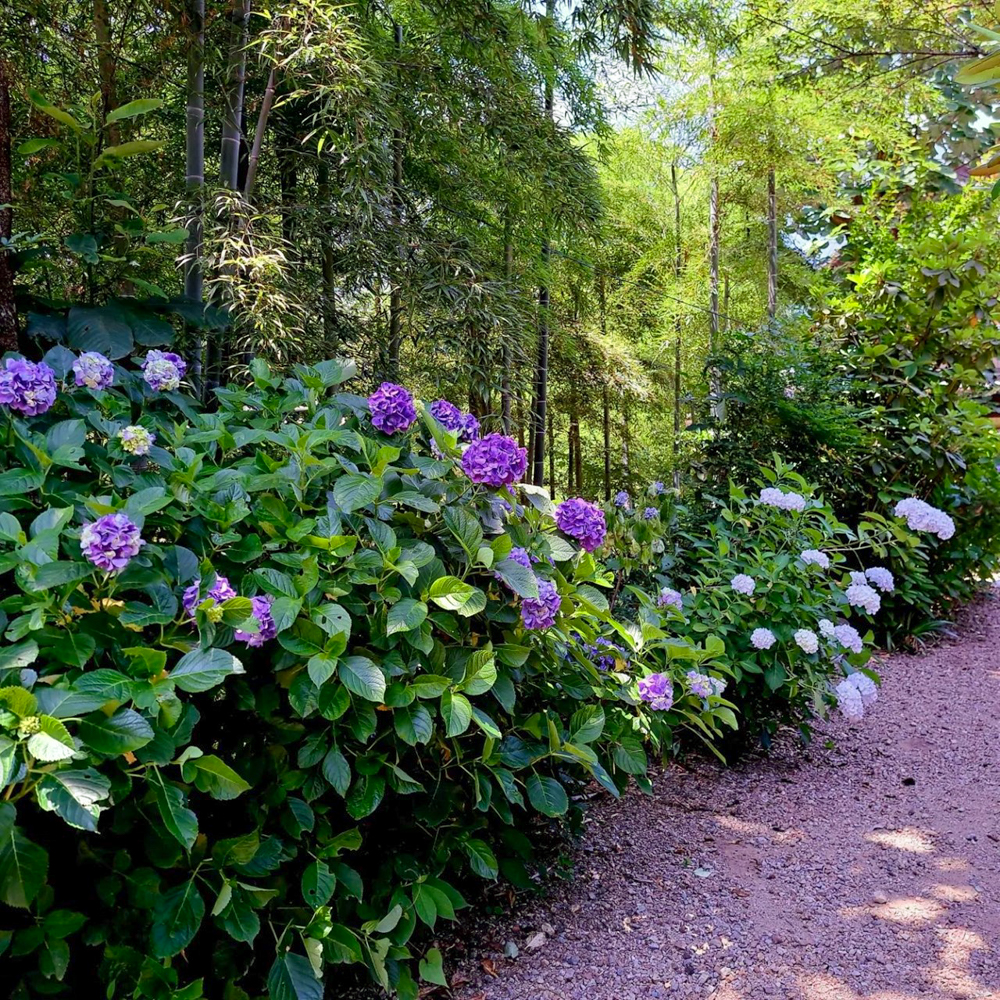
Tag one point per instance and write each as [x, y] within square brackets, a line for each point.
[318, 883]
[120, 733]
[180, 821]
[177, 915]
[547, 795]
[405, 615]
[456, 712]
[482, 860]
[24, 865]
[213, 775]
[356, 490]
[74, 796]
[203, 669]
[337, 771]
[52, 741]
[292, 978]
[362, 677]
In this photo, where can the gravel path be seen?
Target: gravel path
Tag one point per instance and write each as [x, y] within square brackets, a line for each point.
[866, 868]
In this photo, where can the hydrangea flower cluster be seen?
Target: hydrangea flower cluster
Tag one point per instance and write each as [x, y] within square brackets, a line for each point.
[111, 541]
[541, 613]
[773, 497]
[649, 513]
[93, 370]
[866, 688]
[451, 418]
[762, 638]
[807, 640]
[518, 555]
[657, 488]
[858, 578]
[881, 578]
[826, 628]
[860, 595]
[27, 387]
[848, 637]
[921, 516]
[704, 686]
[849, 700]
[583, 521]
[603, 653]
[813, 557]
[220, 591]
[669, 598]
[392, 408]
[658, 691]
[743, 584]
[163, 370]
[622, 499]
[265, 622]
[496, 460]
[136, 440]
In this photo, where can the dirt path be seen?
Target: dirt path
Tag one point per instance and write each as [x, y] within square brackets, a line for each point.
[867, 868]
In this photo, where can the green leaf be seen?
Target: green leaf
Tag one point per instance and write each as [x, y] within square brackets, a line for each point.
[18, 700]
[362, 677]
[124, 149]
[456, 712]
[366, 795]
[238, 919]
[405, 615]
[413, 724]
[291, 978]
[180, 821]
[213, 775]
[452, 594]
[177, 915]
[19, 482]
[430, 685]
[432, 968]
[481, 859]
[547, 795]
[337, 771]
[23, 864]
[57, 574]
[36, 146]
[74, 796]
[519, 578]
[356, 490]
[45, 106]
[120, 733]
[133, 109]
[318, 883]
[52, 741]
[586, 724]
[103, 329]
[203, 669]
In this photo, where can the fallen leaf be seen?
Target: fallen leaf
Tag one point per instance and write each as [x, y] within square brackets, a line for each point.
[535, 941]
[489, 967]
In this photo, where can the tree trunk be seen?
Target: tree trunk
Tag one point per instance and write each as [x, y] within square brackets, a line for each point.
[772, 246]
[715, 387]
[263, 117]
[508, 274]
[288, 178]
[520, 422]
[195, 176]
[232, 122]
[577, 454]
[552, 459]
[569, 458]
[106, 67]
[605, 408]
[329, 300]
[396, 292]
[8, 307]
[678, 272]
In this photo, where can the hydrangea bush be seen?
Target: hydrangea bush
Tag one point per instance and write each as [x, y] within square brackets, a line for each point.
[277, 679]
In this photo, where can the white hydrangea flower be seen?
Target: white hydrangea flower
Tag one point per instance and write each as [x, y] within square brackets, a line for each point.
[813, 557]
[762, 638]
[848, 637]
[826, 628]
[743, 584]
[921, 516]
[807, 640]
[773, 497]
[849, 700]
[882, 578]
[860, 595]
[858, 579]
[718, 686]
[865, 686]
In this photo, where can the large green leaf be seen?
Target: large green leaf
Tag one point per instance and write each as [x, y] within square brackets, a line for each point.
[405, 615]
[356, 490]
[519, 578]
[547, 795]
[456, 712]
[482, 860]
[177, 916]
[120, 733]
[134, 108]
[104, 329]
[213, 775]
[362, 677]
[413, 724]
[292, 978]
[52, 741]
[452, 594]
[203, 669]
[337, 771]
[23, 864]
[180, 821]
[74, 796]
[238, 919]
[318, 883]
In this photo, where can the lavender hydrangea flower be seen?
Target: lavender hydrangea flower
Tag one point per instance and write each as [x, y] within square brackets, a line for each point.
[658, 691]
[743, 584]
[469, 429]
[849, 700]
[813, 557]
[700, 684]
[649, 513]
[495, 460]
[392, 408]
[773, 497]
[858, 579]
[93, 370]
[669, 598]
[848, 637]
[860, 595]
[541, 613]
[623, 500]
[865, 686]
[220, 591]
[762, 638]
[262, 613]
[657, 488]
[27, 387]
[602, 653]
[583, 521]
[881, 578]
[163, 370]
[110, 542]
[826, 628]
[136, 440]
[921, 516]
[446, 413]
[807, 640]
[520, 556]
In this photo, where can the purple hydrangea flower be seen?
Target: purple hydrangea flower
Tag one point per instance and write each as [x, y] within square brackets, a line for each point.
[743, 584]
[495, 460]
[163, 370]
[27, 387]
[541, 613]
[136, 440]
[669, 598]
[262, 613]
[603, 653]
[220, 591]
[470, 428]
[583, 521]
[882, 578]
[110, 542]
[447, 414]
[392, 408]
[622, 499]
[658, 690]
[657, 488]
[649, 513]
[520, 556]
[701, 684]
[93, 370]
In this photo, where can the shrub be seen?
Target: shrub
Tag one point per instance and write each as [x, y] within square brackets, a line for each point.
[268, 698]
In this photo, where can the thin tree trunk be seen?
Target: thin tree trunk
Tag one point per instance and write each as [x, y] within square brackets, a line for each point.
[195, 176]
[678, 273]
[396, 292]
[725, 302]
[772, 246]
[106, 67]
[8, 306]
[715, 387]
[552, 458]
[263, 117]
[520, 421]
[508, 274]
[577, 454]
[329, 297]
[605, 407]
[232, 122]
[569, 458]
[288, 178]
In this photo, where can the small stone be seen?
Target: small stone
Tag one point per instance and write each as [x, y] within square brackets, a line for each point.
[880, 898]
